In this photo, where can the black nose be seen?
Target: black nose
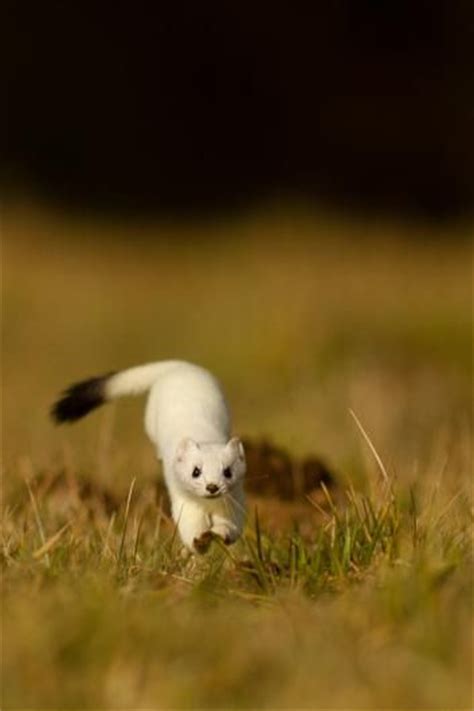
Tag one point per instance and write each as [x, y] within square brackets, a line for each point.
[212, 488]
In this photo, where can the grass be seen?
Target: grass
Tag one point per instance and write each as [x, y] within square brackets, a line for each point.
[362, 601]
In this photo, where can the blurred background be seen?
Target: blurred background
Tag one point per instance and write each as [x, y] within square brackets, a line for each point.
[177, 107]
[282, 194]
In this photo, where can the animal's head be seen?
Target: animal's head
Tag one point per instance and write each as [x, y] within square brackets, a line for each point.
[209, 470]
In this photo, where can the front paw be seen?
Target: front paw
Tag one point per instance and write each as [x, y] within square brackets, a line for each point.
[228, 534]
[202, 543]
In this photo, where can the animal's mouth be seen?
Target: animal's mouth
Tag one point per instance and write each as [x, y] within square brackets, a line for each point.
[213, 496]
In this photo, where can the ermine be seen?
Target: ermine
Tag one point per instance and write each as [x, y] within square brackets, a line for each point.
[188, 421]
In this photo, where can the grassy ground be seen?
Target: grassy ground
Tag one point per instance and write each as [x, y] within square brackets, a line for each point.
[303, 318]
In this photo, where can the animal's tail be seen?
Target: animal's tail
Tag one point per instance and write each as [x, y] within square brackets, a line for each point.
[80, 398]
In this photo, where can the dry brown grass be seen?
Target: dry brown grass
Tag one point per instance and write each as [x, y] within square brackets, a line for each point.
[368, 604]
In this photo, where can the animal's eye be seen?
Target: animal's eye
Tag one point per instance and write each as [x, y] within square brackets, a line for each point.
[196, 472]
[227, 473]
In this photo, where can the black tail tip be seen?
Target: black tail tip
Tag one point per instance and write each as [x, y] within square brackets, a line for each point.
[79, 399]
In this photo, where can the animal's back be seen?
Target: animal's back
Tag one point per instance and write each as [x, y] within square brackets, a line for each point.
[187, 401]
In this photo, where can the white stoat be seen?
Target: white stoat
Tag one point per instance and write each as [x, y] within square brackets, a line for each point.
[188, 421]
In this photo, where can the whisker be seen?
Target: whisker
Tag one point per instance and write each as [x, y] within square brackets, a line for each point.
[226, 505]
[237, 504]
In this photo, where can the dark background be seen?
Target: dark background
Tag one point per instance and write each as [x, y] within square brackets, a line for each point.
[201, 106]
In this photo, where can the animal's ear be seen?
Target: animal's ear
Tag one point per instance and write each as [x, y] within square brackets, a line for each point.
[236, 447]
[184, 447]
